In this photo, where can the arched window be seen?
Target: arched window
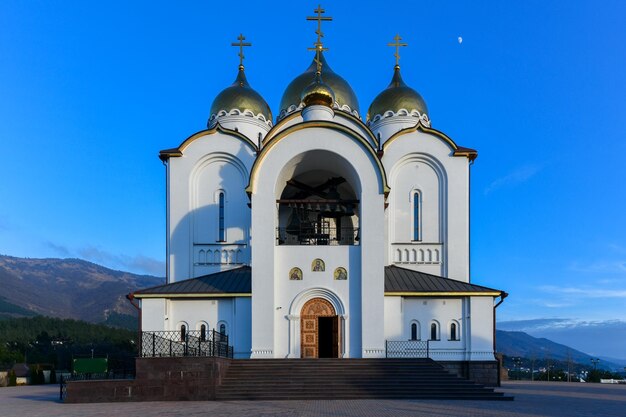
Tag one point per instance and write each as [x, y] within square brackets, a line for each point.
[222, 328]
[433, 332]
[203, 333]
[183, 333]
[454, 334]
[414, 331]
[416, 216]
[222, 230]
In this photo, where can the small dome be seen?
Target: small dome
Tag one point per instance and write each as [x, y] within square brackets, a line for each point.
[397, 97]
[344, 95]
[241, 97]
[318, 92]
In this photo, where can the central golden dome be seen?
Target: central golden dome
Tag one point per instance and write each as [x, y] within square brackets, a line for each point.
[344, 95]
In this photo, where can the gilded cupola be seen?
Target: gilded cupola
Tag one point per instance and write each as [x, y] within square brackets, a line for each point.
[240, 99]
[345, 99]
[398, 99]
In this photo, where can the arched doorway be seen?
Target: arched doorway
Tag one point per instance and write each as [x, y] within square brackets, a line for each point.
[319, 329]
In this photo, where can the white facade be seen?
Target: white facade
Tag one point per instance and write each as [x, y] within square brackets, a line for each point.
[321, 184]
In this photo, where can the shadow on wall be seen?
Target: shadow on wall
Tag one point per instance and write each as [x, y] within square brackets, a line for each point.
[214, 233]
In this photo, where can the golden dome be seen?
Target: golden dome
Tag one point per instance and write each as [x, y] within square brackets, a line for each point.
[395, 97]
[240, 96]
[344, 95]
[318, 92]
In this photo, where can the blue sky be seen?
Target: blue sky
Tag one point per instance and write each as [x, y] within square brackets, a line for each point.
[90, 92]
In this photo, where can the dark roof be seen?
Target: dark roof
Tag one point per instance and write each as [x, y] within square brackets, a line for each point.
[239, 281]
[232, 281]
[402, 280]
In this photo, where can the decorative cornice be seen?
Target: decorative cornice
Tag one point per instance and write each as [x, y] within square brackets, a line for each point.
[423, 117]
[457, 150]
[193, 295]
[447, 294]
[293, 108]
[165, 154]
[237, 112]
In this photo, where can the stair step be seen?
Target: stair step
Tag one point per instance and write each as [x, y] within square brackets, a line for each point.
[288, 379]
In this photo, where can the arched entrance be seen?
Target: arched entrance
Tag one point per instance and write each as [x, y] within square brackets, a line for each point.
[319, 329]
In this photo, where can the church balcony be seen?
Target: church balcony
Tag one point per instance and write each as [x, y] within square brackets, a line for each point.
[317, 235]
[422, 253]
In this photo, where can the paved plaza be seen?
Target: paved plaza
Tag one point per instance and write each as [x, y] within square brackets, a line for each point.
[531, 399]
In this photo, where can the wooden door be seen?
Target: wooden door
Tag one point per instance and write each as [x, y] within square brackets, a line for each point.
[309, 329]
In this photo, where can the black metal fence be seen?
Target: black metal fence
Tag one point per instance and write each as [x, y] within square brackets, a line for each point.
[185, 343]
[407, 349]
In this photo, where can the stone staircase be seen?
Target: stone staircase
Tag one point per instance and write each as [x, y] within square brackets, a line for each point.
[310, 379]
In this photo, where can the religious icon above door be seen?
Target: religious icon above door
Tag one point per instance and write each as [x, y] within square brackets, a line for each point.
[295, 274]
[340, 274]
[318, 265]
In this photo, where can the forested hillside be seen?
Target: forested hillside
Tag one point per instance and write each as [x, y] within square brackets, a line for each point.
[54, 341]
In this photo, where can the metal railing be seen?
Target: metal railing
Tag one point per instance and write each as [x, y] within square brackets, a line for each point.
[407, 348]
[190, 343]
[317, 236]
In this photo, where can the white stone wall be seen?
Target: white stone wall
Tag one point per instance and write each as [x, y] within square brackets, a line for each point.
[421, 162]
[472, 315]
[170, 314]
[341, 152]
[481, 328]
[211, 163]
[288, 291]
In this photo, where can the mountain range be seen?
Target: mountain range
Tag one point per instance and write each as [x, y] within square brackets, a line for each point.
[520, 344]
[68, 288]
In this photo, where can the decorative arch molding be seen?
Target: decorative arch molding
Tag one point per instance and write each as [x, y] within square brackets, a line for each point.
[457, 332]
[418, 330]
[207, 160]
[165, 154]
[179, 329]
[355, 136]
[319, 292]
[279, 125]
[200, 323]
[442, 179]
[218, 326]
[436, 330]
[457, 150]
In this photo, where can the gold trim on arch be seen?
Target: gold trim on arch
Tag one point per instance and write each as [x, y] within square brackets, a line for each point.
[177, 152]
[274, 130]
[318, 123]
[471, 154]
[353, 118]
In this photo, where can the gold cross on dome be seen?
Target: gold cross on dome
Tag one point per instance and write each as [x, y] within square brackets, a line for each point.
[319, 48]
[241, 44]
[319, 19]
[397, 45]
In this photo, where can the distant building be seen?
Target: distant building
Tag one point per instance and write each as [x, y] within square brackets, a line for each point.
[323, 232]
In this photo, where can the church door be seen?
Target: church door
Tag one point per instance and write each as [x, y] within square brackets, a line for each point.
[319, 330]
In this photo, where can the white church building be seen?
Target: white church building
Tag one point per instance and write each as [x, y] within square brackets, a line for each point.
[325, 231]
